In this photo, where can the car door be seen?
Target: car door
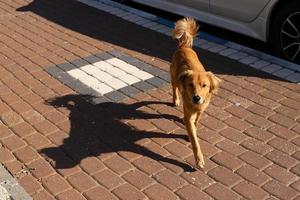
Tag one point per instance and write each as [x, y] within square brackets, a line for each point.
[240, 10]
[202, 5]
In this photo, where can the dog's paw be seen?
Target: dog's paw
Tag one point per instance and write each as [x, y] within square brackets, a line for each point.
[200, 164]
[176, 103]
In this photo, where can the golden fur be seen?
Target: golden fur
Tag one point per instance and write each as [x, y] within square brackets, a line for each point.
[189, 78]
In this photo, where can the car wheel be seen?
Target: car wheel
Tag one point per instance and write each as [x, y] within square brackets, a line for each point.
[285, 32]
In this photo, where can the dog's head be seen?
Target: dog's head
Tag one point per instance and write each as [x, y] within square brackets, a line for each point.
[198, 86]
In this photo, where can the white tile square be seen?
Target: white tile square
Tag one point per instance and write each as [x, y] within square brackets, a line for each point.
[142, 75]
[126, 67]
[102, 65]
[97, 73]
[115, 83]
[116, 72]
[129, 79]
[109, 68]
[89, 80]
[77, 73]
[102, 88]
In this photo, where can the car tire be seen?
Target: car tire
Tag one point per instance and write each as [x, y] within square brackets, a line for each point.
[285, 31]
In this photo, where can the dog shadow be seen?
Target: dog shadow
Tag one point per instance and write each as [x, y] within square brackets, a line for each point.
[99, 129]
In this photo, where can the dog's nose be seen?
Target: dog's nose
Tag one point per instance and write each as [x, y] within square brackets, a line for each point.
[196, 99]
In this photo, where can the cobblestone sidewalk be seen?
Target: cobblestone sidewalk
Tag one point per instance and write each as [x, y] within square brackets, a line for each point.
[85, 114]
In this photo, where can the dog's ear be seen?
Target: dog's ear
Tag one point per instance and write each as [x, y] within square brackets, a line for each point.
[214, 82]
[183, 75]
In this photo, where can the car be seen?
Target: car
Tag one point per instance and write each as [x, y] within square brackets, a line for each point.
[274, 21]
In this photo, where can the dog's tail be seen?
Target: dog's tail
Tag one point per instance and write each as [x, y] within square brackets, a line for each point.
[185, 30]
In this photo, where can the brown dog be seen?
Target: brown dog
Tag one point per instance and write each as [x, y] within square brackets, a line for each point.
[190, 78]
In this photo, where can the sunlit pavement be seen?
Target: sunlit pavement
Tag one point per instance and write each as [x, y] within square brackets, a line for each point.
[85, 113]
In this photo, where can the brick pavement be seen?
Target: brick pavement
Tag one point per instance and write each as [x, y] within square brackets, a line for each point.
[61, 144]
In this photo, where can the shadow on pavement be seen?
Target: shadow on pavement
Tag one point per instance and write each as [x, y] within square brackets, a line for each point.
[100, 129]
[109, 28]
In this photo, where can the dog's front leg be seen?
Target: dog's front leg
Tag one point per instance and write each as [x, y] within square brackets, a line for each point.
[192, 133]
[198, 117]
[176, 99]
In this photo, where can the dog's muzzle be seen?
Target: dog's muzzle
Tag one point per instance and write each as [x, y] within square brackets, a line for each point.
[196, 99]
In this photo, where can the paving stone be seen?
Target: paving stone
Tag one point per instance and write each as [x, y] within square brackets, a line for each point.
[233, 134]
[227, 160]
[238, 56]
[118, 164]
[55, 184]
[143, 86]
[224, 176]
[13, 142]
[129, 79]
[283, 145]
[109, 179]
[70, 194]
[220, 192]
[178, 149]
[250, 191]
[280, 190]
[227, 52]
[280, 174]
[281, 159]
[26, 154]
[271, 68]
[192, 193]
[252, 175]
[54, 71]
[43, 195]
[282, 132]
[282, 73]
[66, 66]
[97, 73]
[230, 147]
[104, 88]
[91, 165]
[115, 83]
[255, 160]
[148, 165]
[138, 179]
[30, 184]
[92, 59]
[248, 60]
[170, 180]
[157, 82]
[115, 96]
[296, 169]
[104, 55]
[159, 192]
[100, 193]
[128, 192]
[257, 146]
[259, 64]
[129, 91]
[41, 168]
[81, 181]
[295, 77]
[79, 63]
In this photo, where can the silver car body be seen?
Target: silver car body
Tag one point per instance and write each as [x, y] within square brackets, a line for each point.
[248, 17]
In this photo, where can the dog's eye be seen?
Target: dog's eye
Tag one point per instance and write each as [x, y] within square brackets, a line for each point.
[204, 85]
